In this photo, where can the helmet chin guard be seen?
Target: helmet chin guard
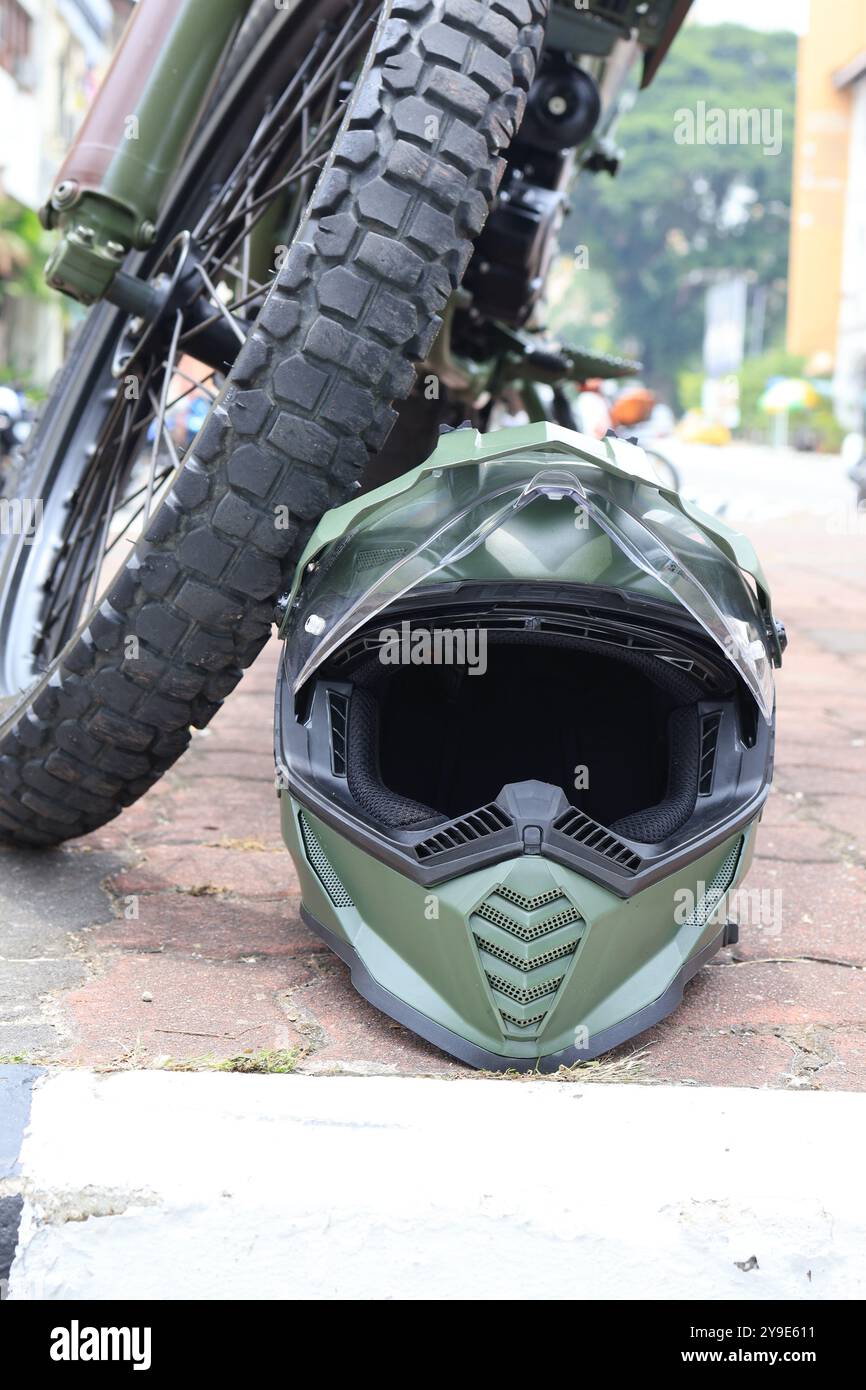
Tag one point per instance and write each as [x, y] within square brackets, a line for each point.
[525, 707]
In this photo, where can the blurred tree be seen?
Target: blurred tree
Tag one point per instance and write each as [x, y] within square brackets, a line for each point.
[24, 247]
[23, 251]
[679, 214]
[754, 375]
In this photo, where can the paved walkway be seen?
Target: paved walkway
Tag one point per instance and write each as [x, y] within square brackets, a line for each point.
[174, 933]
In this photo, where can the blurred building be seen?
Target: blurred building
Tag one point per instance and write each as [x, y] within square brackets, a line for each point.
[52, 55]
[850, 378]
[827, 277]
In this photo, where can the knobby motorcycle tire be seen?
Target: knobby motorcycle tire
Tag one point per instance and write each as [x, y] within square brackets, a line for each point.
[356, 304]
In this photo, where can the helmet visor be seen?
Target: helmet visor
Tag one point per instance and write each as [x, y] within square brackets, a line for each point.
[418, 537]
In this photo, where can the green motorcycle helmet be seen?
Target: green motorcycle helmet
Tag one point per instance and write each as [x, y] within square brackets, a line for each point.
[524, 733]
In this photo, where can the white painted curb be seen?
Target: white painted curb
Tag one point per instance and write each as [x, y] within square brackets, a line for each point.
[168, 1186]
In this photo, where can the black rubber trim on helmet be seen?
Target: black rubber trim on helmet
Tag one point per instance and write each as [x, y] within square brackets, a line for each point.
[356, 304]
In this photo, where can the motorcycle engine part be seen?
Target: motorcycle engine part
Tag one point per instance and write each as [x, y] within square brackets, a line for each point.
[563, 109]
[507, 273]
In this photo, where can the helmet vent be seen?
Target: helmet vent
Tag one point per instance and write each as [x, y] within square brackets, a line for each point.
[588, 832]
[338, 713]
[526, 931]
[527, 904]
[545, 958]
[487, 820]
[531, 1022]
[322, 867]
[380, 555]
[710, 725]
[526, 952]
[716, 889]
[526, 994]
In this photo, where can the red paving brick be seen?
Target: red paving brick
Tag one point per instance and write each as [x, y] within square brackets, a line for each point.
[758, 993]
[730, 1056]
[820, 910]
[216, 928]
[846, 815]
[198, 1010]
[218, 943]
[235, 866]
[356, 1034]
[799, 843]
[846, 1068]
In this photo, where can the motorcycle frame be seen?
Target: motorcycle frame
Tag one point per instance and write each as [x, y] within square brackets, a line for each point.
[107, 196]
[109, 190]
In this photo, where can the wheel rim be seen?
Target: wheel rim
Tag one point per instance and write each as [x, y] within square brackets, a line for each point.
[108, 477]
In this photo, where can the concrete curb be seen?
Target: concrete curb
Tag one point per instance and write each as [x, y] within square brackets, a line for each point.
[16, 1088]
[166, 1186]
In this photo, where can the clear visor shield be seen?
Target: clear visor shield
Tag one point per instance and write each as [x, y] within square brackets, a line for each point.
[421, 535]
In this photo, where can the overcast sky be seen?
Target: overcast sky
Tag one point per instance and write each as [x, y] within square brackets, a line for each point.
[758, 14]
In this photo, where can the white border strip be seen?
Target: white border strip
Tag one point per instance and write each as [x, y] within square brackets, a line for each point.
[166, 1186]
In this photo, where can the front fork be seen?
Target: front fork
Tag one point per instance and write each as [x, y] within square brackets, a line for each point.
[107, 196]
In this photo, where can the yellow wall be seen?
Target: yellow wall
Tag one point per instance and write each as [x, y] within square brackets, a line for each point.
[836, 35]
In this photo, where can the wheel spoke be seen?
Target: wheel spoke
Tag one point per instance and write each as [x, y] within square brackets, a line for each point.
[125, 473]
[221, 308]
[92, 591]
[215, 318]
[344, 45]
[195, 383]
[267, 198]
[161, 431]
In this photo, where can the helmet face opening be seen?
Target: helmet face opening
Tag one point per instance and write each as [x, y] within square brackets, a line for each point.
[597, 724]
[606, 733]
[522, 705]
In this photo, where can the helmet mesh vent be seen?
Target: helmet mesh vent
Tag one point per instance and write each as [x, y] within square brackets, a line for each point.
[504, 941]
[588, 832]
[380, 555]
[487, 820]
[528, 993]
[527, 904]
[322, 866]
[338, 713]
[527, 931]
[517, 962]
[709, 740]
[715, 890]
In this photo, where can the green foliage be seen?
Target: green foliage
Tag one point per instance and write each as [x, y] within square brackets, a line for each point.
[23, 251]
[689, 384]
[678, 215]
[819, 423]
[828, 431]
[581, 308]
[281, 1062]
[754, 375]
